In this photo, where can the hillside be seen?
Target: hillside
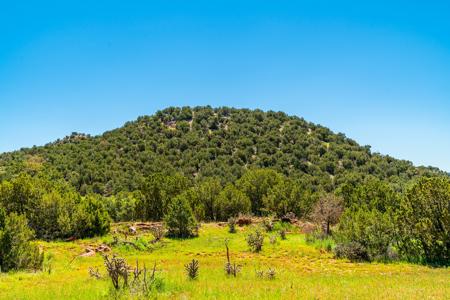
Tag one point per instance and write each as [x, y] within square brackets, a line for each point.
[207, 142]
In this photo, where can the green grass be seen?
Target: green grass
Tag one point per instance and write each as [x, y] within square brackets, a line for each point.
[303, 272]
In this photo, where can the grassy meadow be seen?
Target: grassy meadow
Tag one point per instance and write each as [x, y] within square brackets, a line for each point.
[303, 271]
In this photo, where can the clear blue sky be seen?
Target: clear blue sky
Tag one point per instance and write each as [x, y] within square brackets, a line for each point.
[378, 71]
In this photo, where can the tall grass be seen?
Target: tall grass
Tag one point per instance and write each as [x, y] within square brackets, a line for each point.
[303, 271]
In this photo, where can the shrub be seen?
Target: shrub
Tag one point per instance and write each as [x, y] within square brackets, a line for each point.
[232, 225]
[267, 224]
[123, 206]
[424, 221]
[94, 273]
[255, 240]
[203, 198]
[231, 268]
[47, 264]
[354, 251]
[192, 269]
[273, 239]
[158, 190]
[138, 280]
[53, 209]
[91, 218]
[244, 220]
[145, 281]
[180, 220]
[289, 218]
[260, 273]
[16, 249]
[231, 202]
[256, 184]
[117, 270]
[158, 233]
[370, 230]
[269, 274]
[316, 235]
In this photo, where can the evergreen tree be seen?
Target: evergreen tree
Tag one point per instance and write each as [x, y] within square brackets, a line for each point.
[180, 220]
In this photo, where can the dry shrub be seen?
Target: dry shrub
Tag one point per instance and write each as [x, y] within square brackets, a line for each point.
[268, 224]
[158, 233]
[244, 220]
[255, 240]
[232, 225]
[117, 270]
[231, 269]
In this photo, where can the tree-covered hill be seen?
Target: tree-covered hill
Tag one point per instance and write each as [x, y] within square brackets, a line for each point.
[205, 142]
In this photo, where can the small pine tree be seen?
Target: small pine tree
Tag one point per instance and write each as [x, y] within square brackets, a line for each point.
[180, 220]
[192, 269]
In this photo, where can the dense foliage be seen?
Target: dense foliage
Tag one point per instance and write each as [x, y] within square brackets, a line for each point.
[203, 142]
[415, 227]
[53, 209]
[16, 248]
[180, 220]
[424, 221]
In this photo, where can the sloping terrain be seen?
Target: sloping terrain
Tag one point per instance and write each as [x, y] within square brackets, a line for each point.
[203, 142]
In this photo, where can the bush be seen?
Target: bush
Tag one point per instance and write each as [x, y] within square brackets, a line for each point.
[273, 239]
[180, 220]
[123, 206]
[289, 218]
[354, 251]
[203, 197]
[256, 184]
[269, 274]
[231, 202]
[244, 219]
[139, 281]
[16, 249]
[91, 218]
[368, 231]
[158, 233]
[53, 209]
[158, 190]
[268, 224]
[231, 269]
[232, 225]
[314, 236]
[118, 270]
[424, 221]
[255, 240]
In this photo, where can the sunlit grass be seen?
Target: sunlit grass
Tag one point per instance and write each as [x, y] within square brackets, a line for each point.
[303, 271]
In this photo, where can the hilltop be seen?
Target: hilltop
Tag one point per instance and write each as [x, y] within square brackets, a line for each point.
[202, 142]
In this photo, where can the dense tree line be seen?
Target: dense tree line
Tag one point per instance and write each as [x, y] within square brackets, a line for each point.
[380, 224]
[54, 210]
